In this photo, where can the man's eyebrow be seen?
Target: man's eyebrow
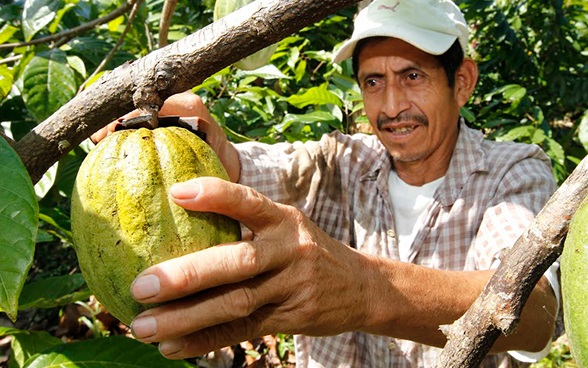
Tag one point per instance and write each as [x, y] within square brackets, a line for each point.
[404, 70]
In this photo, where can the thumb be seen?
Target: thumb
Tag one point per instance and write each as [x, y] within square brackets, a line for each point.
[209, 194]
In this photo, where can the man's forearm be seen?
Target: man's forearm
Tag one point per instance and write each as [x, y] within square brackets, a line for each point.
[411, 302]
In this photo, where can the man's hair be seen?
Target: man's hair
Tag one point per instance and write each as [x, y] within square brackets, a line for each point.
[450, 60]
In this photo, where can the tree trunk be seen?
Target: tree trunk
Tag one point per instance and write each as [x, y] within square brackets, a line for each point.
[147, 82]
[498, 308]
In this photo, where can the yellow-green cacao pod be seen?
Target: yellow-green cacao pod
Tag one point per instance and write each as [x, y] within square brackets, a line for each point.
[574, 284]
[123, 219]
[253, 61]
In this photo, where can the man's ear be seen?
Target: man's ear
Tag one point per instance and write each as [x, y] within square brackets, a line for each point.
[465, 80]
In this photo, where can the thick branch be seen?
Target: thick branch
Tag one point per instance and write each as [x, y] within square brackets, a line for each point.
[167, 71]
[497, 310]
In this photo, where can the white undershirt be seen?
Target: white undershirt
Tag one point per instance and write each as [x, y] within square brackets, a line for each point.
[409, 205]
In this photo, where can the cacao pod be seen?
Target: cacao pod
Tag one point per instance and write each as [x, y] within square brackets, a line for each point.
[253, 61]
[574, 284]
[123, 219]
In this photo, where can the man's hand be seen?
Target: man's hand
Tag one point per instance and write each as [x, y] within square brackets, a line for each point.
[189, 104]
[289, 277]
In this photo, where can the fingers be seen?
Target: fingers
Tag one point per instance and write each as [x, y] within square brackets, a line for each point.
[233, 200]
[185, 104]
[194, 272]
[214, 338]
[226, 264]
[204, 310]
[210, 339]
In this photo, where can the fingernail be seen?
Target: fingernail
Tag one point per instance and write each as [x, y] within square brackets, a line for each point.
[144, 327]
[170, 347]
[145, 287]
[186, 190]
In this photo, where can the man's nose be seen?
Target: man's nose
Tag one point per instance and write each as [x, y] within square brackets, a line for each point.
[395, 100]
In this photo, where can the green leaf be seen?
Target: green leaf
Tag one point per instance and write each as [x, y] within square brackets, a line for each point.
[266, 72]
[36, 15]
[513, 134]
[583, 130]
[44, 185]
[5, 81]
[107, 352]
[18, 227]
[6, 32]
[26, 343]
[54, 292]
[49, 83]
[314, 96]
[556, 151]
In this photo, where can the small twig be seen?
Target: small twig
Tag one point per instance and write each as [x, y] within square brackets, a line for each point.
[11, 59]
[166, 16]
[71, 33]
[119, 42]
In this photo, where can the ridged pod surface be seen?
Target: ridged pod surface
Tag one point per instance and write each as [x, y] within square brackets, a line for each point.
[123, 219]
[574, 284]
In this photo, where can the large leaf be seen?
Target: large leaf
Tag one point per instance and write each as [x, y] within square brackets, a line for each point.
[114, 351]
[49, 83]
[26, 343]
[54, 292]
[36, 15]
[18, 227]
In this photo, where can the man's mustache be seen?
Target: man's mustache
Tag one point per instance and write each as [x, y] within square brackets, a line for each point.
[383, 119]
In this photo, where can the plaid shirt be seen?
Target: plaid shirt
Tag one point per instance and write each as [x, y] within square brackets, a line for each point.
[490, 193]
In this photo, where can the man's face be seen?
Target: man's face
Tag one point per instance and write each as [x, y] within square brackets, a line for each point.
[408, 102]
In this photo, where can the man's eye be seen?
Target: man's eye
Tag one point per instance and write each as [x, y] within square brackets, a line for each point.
[413, 76]
[370, 82]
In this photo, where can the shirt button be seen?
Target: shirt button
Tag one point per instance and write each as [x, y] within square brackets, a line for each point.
[391, 233]
[391, 346]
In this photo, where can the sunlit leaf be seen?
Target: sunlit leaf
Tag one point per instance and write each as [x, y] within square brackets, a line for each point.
[18, 227]
[44, 185]
[5, 81]
[6, 32]
[583, 130]
[49, 83]
[36, 15]
[314, 96]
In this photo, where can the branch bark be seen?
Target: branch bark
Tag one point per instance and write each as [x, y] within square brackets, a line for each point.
[147, 82]
[498, 308]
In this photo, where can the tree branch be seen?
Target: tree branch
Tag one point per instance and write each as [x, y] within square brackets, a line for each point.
[71, 33]
[175, 68]
[165, 22]
[498, 308]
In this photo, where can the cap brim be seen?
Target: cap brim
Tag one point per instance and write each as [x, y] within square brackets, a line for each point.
[431, 42]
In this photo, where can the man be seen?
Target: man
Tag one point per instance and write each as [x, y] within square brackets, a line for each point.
[368, 243]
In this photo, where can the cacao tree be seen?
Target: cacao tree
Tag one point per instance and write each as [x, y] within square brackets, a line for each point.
[533, 88]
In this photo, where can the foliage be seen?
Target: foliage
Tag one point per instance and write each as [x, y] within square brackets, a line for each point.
[533, 88]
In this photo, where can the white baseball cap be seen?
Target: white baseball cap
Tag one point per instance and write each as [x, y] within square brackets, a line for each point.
[430, 25]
